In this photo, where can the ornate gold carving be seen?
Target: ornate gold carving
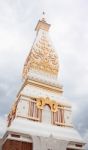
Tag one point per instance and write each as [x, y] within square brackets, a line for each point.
[54, 107]
[41, 102]
[42, 57]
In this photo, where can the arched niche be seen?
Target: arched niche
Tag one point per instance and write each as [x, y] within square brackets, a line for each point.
[46, 114]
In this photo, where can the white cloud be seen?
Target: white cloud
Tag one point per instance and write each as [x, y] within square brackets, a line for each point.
[3, 124]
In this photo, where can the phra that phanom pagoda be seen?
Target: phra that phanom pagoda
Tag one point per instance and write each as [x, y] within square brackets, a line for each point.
[39, 119]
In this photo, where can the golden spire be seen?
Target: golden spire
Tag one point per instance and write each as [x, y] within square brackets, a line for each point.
[43, 16]
[42, 56]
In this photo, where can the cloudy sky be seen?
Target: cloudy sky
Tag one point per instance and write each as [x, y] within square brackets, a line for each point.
[69, 33]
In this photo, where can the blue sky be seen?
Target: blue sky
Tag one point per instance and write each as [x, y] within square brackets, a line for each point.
[69, 34]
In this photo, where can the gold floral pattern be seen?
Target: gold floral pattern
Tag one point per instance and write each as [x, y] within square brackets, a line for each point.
[42, 57]
[41, 102]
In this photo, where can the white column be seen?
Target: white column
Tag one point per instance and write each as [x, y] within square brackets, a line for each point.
[42, 143]
[36, 143]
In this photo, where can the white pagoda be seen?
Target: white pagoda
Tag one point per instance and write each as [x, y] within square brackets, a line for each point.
[39, 118]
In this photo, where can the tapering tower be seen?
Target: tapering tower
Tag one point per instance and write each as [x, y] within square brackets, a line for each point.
[39, 119]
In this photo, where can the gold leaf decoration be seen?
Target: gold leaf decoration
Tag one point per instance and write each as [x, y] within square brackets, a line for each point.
[41, 102]
[42, 57]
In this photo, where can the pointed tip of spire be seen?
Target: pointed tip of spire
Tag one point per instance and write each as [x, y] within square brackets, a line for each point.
[42, 23]
[43, 13]
[43, 16]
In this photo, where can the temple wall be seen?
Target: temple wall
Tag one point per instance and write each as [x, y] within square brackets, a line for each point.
[34, 91]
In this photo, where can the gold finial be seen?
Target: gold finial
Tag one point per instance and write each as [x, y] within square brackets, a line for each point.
[43, 16]
[43, 13]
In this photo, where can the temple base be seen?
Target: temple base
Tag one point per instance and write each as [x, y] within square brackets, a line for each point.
[20, 141]
[17, 145]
